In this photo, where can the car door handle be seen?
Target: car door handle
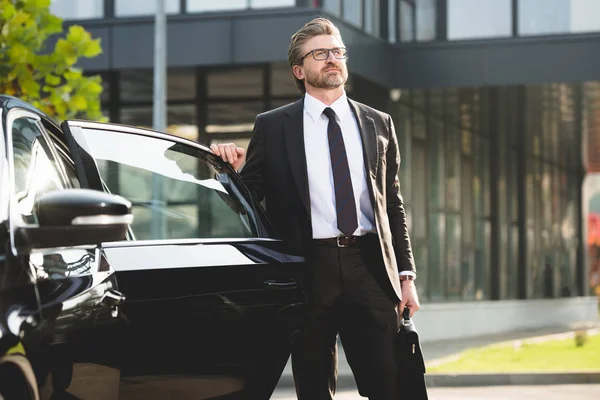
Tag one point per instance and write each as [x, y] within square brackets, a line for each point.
[113, 298]
[272, 284]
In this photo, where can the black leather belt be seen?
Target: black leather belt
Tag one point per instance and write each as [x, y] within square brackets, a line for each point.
[340, 241]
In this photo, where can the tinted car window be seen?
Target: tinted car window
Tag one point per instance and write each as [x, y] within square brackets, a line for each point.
[177, 191]
[64, 159]
[35, 169]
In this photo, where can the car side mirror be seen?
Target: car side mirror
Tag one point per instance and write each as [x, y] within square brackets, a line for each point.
[75, 217]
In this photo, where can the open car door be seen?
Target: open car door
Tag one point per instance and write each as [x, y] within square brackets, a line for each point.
[210, 293]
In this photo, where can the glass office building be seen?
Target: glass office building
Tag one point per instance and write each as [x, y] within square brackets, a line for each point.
[492, 102]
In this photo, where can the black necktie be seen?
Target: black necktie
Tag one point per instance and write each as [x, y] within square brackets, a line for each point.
[344, 195]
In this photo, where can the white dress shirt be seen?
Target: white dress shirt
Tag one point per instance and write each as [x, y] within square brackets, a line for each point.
[320, 175]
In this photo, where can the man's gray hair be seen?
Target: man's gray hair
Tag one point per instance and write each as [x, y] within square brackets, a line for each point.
[316, 27]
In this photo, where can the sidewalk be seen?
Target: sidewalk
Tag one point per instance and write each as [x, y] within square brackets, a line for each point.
[556, 392]
[440, 351]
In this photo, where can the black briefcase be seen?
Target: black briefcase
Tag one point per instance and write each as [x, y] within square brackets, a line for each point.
[409, 358]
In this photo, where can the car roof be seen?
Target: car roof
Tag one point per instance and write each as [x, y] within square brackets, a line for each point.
[7, 103]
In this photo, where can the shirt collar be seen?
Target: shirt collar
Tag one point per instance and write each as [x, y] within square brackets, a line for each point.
[315, 107]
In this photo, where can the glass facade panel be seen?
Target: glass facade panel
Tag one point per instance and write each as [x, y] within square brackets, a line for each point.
[137, 85]
[551, 246]
[447, 132]
[421, 256]
[539, 17]
[372, 17]
[426, 16]
[282, 81]
[418, 126]
[392, 28]
[221, 5]
[407, 22]
[77, 9]
[453, 190]
[472, 19]
[482, 259]
[333, 6]
[419, 158]
[467, 229]
[133, 8]
[233, 117]
[142, 115]
[403, 127]
[453, 257]
[437, 256]
[240, 82]
[272, 3]
[352, 11]
[437, 164]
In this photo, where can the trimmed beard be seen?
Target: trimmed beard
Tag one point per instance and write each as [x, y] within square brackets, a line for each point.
[321, 80]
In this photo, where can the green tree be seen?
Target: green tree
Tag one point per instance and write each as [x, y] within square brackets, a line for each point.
[42, 76]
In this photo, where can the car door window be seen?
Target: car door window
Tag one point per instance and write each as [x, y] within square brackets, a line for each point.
[35, 168]
[64, 159]
[41, 165]
[177, 191]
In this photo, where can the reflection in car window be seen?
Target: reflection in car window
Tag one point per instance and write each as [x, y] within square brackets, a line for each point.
[176, 191]
[63, 263]
[64, 160]
[35, 169]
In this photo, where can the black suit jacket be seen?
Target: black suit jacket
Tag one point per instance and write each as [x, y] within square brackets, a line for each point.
[275, 171]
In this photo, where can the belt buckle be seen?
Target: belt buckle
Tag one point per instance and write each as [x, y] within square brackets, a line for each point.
[337, 241]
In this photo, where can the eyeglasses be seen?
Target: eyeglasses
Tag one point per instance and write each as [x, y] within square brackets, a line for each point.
[323, 54]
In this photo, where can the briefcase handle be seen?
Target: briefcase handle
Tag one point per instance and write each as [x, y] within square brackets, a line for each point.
[406, 316]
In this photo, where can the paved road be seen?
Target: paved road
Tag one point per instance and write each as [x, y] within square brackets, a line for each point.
[555, 392]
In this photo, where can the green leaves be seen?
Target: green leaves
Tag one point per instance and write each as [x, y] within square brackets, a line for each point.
[47, 79]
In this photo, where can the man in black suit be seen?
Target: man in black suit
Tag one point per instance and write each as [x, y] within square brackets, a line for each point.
[327, 168]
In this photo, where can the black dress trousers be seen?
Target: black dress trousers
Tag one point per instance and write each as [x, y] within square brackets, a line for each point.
[345, 297]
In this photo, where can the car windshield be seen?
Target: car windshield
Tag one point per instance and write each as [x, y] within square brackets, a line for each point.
[177, 191]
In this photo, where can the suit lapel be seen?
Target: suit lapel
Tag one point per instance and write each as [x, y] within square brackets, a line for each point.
[368, 135]
[293, 130]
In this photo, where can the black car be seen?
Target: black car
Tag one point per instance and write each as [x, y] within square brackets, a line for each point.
[196, 284]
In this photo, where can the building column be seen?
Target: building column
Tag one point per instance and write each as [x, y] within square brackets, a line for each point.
[522, 151]
[581, 274]
[495, 201]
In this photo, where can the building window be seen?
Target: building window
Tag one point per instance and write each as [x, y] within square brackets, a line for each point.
[406, 21]
[539, 17]
[352, 11]
[282, 81]
[372, 17]
[228, 5]
[137, 85]
[417, 19]
[392, 26]
[232, 117]
[134, 8]
[221, 5]
[181, 119]
[234, 83]
[272, 3]
[333, 6]
[425, 16]
[76, 9]
[471, 19]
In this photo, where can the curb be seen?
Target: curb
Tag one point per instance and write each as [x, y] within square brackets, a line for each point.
[520, 379]
[465, 380]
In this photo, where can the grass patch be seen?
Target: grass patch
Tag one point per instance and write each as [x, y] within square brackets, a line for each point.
[549, 356]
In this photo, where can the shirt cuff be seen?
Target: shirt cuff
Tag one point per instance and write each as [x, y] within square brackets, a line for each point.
[409, 273]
